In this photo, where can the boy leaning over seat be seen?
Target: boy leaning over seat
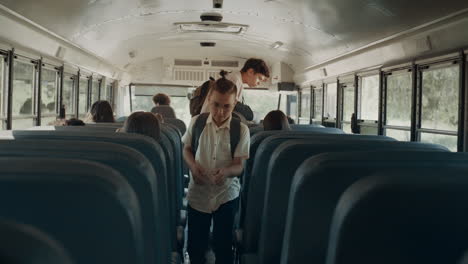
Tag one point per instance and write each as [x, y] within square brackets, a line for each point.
[215, 147]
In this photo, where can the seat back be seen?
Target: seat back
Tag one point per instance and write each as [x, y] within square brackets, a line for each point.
[258, 138]
[254, 190]
[177, 123]
[121, 119]
[309, 127]
[25, 244]
[131, 164]
[417, 215]
[321, 180]
[284, 162]
[87, 207]
[176, 172]
[146, 145]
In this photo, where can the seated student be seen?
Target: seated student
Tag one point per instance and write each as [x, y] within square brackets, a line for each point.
[215, 148]
[144, 123]
[290, 120]
[100, 112]
[74, 122]
[162, 102]
[275, 120]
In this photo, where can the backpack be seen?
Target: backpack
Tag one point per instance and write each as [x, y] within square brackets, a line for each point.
[244, 110]
[199, 126]
[198, 98]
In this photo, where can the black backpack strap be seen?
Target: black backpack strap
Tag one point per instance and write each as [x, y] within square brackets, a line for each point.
[197, 130]
[199, 126]
[234, 134]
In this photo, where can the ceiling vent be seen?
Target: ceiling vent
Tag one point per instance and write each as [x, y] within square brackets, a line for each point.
[179, 62]
[189, 75]
[211, 22]
[207, 44]
[224, 63]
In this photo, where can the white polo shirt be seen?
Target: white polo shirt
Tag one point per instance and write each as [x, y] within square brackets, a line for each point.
[214, 152]
[234, 77]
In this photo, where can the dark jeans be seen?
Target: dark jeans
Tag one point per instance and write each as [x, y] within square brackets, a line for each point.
[199, 231]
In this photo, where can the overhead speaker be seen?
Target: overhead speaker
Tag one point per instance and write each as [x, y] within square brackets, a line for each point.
[323, 72]
[217, 3]
[60, 53]
[217, 17]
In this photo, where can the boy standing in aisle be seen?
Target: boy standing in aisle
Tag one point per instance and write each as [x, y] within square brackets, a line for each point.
[215, 148]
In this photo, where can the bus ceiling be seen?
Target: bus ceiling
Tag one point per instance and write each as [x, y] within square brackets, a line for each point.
[309, 35]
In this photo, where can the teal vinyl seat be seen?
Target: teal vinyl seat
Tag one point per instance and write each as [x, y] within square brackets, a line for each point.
[87, 207]
[26, 244]
[404, 215]
[179, 124]
[285, 160]
[321, 180]
[146, 145]
[254, 192]
[131, 164]
[258, 138]
[299, 127]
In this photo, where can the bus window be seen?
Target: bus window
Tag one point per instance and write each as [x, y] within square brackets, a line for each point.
[446, 140]
[2, 80]
[440, 99]
[439, 105]
[105, 92]
[399, 92]
[142, 99]
[68, 95]
[95, 90]
[398, 105]
[348, 107]
[398, 134]
[83, 98]
[23, 90]
[318, 100]
[262, 107]
[291, 107]
[48, 96]
[305, 106]
[369, 98]
[330, 102]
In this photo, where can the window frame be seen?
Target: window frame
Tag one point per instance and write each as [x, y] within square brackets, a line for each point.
[333, 121]
[321, 98]
[300, 115]
[349, 84]
[35, 79]
[384, 98]
[42, 66]
[447, 63]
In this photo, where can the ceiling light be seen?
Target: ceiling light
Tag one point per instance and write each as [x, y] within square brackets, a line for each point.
[207, 44]
[277, 45]
[211, 26]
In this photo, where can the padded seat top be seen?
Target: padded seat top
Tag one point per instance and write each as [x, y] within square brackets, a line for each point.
[87, 207]
[254, 192]
[322, 179]
[26, 244]
[131, 164]
[418, 215]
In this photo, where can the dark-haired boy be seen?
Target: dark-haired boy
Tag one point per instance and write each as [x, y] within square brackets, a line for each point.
[253, 72]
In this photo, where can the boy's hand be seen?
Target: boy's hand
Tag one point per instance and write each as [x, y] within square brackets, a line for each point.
[199, 174]
[220, 176]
